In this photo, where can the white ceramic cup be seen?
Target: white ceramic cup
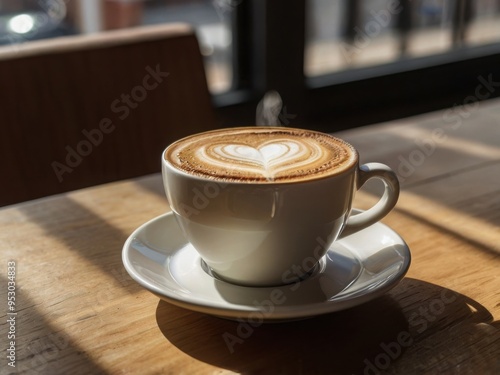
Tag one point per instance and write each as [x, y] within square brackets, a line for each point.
[272, 233]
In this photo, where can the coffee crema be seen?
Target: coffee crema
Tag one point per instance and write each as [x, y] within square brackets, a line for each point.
[261, 154]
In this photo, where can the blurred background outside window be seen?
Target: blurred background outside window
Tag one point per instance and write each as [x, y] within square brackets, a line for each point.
[340, 34]
[343, 34]
[24, 20]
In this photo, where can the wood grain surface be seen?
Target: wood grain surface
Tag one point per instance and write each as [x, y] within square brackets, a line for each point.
[78, 312]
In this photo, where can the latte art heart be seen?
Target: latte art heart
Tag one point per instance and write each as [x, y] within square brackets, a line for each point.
[263, 154]
[267, 160]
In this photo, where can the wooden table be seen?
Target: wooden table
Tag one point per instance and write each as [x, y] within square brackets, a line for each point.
[78, 311]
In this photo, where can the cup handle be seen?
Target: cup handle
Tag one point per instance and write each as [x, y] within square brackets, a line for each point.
[386, 203]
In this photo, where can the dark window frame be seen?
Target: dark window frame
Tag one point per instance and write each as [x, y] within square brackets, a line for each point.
[269, 41]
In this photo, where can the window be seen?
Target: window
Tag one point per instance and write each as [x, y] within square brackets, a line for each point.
[384, 59]
[24, 20]
[336, 63]
[212, 21]
[345, 34]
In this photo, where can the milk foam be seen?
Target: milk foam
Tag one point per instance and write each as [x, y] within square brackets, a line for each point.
[261, 154]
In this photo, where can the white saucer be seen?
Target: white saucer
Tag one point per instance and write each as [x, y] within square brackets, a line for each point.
[355, 270]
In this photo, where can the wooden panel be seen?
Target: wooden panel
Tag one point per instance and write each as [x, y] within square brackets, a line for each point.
[85, 110]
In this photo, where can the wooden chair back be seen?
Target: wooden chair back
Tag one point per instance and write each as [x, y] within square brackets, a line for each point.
[84, 110]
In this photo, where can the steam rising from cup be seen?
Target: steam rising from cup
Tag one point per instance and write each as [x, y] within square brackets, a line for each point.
[269, 109]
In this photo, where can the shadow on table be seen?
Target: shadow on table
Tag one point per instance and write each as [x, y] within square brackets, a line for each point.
[417, 327]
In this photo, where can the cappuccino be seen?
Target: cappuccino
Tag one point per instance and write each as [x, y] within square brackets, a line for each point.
[261, 154]
[257, 202]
